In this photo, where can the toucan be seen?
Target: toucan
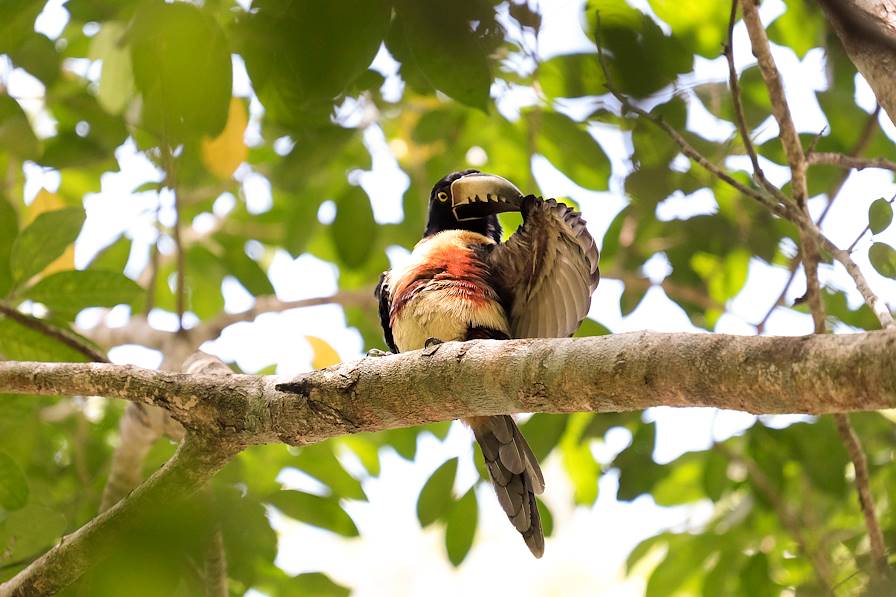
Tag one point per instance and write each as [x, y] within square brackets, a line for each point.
[463, 283]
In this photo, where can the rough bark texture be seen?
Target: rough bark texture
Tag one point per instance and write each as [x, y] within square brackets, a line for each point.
[867, 30]
[810, 374]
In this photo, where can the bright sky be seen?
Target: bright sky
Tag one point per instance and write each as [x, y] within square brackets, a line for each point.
[393, 556]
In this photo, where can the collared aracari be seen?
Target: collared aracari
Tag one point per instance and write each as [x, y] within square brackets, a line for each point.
[463, 283]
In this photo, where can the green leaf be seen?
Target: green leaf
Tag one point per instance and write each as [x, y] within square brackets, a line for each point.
[590, 327]
[448, 52]
[320, 462]
[38, 55]
[9, 228]
[755, 577]
[17, 22]
[572, 75]
[20, 343]
[315, 584]
[578, 461]
[715, 475]
[13, 485]
[543, 431]
[880, 215]
[244, 268]
[547, 519]
[323, 512]
[460, 527]
[683, 485]
[435, 497]
[638, 473]
[354, 230]
[321, 48]
[28, 531]
[16, 133]
[883, 258]
[571, 149]
[113, 257]
[45, 239]
[701, 24]
[71, 291]
[117, 78]
[182, 69]
[800, 28]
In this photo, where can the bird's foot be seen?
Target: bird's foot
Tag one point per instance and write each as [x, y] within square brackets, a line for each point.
[430, 342]
[376, 352]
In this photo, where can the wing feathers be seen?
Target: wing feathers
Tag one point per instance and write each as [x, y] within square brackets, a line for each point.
[550, 268]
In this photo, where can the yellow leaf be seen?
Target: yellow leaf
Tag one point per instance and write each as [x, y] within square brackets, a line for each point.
[223, 154]
[324, 354]
[46, 201]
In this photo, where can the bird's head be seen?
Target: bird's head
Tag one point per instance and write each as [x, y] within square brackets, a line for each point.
[471, 200]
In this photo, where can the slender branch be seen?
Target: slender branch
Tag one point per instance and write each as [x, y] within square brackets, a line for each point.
[857, 149]
[271, 304]
[215, 572]
[847, 161]
[39, 325]
[621, 372]
[863, 487]
[790, 139]
[197, 459]
[789, 519]
[687, 149]
[867, 227]
[136, 331]
[739, 117]
[877, 305]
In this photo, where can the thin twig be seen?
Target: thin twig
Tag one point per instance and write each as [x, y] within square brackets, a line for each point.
[860, 463]
[866, 229]
[686, 148]
[857, 149]
[790, 139]
[878, 306]
[789, 519]
[851, 162]
[53, 332]
[212, 328]
[740, 119]
[810, 237]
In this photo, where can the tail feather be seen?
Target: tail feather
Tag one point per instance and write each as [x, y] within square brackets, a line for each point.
[515, 474]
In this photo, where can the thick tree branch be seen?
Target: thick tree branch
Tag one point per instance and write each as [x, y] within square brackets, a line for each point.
[622, 372]
[867, 30]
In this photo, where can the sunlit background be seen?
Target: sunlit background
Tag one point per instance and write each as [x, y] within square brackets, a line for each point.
[393, 556]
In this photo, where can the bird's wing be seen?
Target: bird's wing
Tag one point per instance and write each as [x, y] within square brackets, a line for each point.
[382, 296]
[547, 269]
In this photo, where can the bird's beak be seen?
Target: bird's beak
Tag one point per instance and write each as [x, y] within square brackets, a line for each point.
[479, 195]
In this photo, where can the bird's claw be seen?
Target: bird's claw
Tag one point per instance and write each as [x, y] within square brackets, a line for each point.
[376, 352]
[431, 346]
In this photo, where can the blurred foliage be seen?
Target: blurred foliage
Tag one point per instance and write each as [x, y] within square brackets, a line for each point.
[470, 90]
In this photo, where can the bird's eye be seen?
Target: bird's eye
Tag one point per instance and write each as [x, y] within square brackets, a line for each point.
[442, 195]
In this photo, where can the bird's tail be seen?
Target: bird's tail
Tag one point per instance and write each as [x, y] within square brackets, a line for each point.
[515, 475]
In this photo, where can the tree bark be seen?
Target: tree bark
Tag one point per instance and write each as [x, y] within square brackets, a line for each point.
[622, 372]
[867, 30]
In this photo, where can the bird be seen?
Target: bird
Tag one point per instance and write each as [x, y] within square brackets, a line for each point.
[462, 283]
